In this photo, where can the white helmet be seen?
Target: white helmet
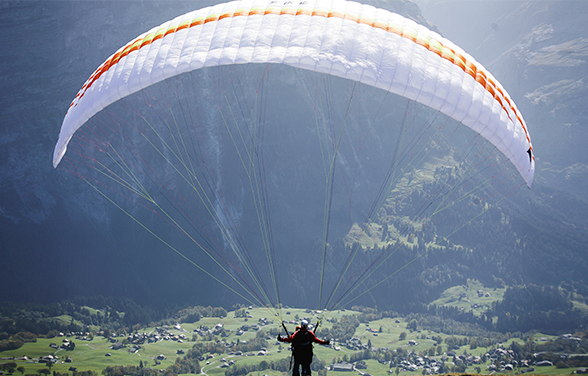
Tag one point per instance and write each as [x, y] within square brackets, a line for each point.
[304, 323]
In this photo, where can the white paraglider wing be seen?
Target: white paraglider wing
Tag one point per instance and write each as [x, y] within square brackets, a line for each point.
[345, 39]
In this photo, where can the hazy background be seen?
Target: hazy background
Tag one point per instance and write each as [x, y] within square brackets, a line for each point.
[55, 242]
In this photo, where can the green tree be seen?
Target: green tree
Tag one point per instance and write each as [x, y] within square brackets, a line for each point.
[473, 344]
[219, 312]
[9, 367]
[21, 369]
[412, 325]
[402, 336]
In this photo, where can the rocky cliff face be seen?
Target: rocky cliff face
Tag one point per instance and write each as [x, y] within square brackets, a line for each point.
[539, 51]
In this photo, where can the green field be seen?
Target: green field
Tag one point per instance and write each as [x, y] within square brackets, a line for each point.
[472, 296]
[384, 333]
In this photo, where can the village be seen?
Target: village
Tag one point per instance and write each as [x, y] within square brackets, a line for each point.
[376, 348]
[497, 359]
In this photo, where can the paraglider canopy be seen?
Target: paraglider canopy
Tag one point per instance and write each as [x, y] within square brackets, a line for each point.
[178, 163]
[341, 38]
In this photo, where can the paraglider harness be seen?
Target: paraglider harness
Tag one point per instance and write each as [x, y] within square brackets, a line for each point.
[293, 345]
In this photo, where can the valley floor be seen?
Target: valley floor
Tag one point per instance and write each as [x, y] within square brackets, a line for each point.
[235, 346]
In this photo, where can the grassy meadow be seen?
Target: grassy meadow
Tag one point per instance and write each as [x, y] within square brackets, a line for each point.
[91, 354]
